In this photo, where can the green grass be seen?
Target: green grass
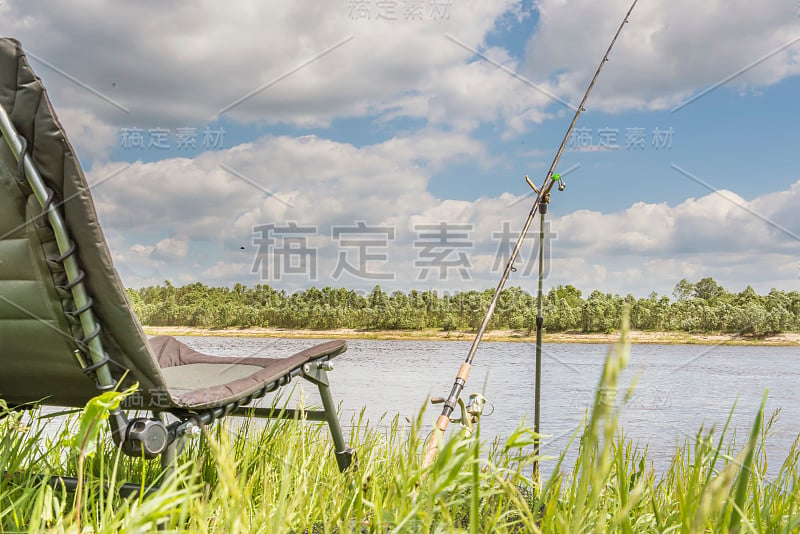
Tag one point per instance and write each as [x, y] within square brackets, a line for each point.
[280, 476]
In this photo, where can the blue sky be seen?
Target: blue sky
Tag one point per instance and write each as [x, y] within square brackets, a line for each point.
[397, 123]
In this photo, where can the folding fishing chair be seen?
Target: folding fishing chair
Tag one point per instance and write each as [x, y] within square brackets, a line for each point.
[67, 330]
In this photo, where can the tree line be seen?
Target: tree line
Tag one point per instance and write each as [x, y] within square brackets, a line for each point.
[699, 307]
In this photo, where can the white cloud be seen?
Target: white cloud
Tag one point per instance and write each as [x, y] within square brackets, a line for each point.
[171, 249]
[226, 271]
[180, 65]
[670, 50]
[158, 212]
[135, 262]
[91, 137]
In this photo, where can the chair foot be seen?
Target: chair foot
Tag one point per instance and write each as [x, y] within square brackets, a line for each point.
[347, 459]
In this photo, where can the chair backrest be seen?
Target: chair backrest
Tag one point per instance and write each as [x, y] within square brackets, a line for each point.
[37, 337]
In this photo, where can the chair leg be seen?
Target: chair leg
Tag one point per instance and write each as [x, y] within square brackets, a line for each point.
[169, 458]
[316, 372]
[345, 456]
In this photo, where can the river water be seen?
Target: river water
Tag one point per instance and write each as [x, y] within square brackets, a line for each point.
[679, 388]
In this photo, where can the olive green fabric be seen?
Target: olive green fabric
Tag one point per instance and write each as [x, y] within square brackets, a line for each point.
[42, 350]
[33, 328]
[38, 352]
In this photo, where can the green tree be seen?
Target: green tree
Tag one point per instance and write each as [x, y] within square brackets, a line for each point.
[683, 290]
[708, 289]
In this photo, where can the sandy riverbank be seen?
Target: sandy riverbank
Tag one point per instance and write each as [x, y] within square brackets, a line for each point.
[786, 339]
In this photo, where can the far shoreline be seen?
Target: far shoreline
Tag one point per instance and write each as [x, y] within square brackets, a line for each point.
[787, 339]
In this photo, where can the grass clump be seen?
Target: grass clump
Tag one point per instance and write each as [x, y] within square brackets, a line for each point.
[280, 476]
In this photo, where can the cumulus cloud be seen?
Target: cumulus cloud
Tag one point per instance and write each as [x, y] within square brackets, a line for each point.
[671, 50]
[171, 249]
[92, 138]
[307, 63]
[279, 60]
[158, 212]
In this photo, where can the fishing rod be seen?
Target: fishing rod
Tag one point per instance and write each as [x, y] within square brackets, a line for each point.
[542, 198]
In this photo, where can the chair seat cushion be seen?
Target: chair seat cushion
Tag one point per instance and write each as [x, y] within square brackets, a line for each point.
[196, 380]
[191, 376]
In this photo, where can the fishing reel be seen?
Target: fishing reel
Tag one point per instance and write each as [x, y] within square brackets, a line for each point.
[471, 412]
